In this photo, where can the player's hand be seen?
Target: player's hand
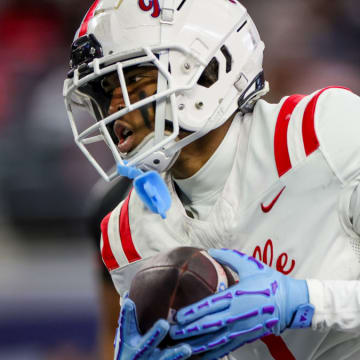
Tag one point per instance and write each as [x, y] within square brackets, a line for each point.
[263, 302]
[131, 345]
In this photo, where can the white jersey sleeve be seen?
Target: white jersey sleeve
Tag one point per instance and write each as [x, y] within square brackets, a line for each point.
[337, 304]
[337, 126]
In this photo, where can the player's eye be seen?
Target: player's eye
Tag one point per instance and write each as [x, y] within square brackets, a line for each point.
[109, 83]
[105, 84]
[134, 79]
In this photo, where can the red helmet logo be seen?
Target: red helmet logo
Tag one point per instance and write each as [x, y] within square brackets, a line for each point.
[147, 5]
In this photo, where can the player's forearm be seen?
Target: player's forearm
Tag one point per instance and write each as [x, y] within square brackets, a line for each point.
[337, 304]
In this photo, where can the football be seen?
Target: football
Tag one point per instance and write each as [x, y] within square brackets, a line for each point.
[172, 280]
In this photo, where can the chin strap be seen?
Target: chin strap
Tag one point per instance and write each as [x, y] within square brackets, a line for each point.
[248, 98]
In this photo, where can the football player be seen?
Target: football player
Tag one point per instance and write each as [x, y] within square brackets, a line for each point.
[174, 88]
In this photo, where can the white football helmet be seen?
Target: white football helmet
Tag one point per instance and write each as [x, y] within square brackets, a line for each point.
[208, 56]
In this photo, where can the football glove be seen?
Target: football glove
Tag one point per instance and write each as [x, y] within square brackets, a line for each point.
[263, 302]
[131, 345]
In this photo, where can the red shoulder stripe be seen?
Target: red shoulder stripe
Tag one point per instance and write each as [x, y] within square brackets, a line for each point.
[106, 252]
[281, 150]
[311, 142]
[89, 15]
[125, 233]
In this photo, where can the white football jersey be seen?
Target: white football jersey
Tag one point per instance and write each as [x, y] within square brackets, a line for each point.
[291, 201]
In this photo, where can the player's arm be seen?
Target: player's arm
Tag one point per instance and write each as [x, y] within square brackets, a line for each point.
[337, 121]
[337, 303]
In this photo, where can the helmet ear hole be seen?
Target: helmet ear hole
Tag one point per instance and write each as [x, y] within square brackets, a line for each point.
[210, 75]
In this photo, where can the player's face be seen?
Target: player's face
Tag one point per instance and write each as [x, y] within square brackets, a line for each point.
[132, 128]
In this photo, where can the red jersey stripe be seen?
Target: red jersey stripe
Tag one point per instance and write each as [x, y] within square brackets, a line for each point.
[277, 347]
[106, 252]
[282, 158]
[89, 15]
[125, 233]
[310, 140]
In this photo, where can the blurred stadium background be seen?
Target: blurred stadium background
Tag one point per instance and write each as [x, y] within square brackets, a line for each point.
[49, 267]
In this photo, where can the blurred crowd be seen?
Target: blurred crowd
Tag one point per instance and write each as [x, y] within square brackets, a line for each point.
[45, 181]
[40, 165]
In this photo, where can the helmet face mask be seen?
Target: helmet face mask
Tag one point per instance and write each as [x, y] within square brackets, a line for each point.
[198, 79]
[93, 92]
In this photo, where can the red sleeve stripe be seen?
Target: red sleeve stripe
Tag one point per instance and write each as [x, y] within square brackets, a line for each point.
[277, 348]
[125, 233]
[106, 252]
[282, 157]
[311, 142]
[89, 15]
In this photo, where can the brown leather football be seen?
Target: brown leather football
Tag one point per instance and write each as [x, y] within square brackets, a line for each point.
[172, 280]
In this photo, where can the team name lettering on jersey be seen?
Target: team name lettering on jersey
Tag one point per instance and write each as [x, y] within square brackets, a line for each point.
[147, 5]
[267, 257]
